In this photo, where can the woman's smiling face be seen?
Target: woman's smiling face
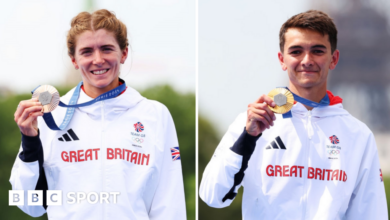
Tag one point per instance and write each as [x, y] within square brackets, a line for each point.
[98, 56]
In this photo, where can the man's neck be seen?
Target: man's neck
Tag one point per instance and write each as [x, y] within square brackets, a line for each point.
[315, 94]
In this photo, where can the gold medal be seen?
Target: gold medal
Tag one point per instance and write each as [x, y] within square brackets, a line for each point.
[48, 96]
[283, 99]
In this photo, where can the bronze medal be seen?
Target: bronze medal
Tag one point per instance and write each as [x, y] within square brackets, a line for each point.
[283, 99]
[48, 96]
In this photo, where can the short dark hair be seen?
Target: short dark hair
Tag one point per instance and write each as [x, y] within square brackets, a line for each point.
[312, 20]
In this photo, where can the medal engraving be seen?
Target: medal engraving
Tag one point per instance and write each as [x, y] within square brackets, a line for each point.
[283, 99]
[48, 96]
[45, 98]
[280, 99]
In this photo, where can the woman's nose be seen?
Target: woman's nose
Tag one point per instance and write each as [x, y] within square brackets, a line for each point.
[98, 59]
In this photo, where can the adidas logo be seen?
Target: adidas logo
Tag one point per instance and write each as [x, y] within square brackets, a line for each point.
[275, 146]
[67, 138]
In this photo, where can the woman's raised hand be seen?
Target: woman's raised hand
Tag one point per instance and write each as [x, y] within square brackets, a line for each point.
[26, 116]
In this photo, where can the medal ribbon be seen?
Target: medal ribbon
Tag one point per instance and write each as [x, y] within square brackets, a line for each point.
[324, 102]
[48, 117]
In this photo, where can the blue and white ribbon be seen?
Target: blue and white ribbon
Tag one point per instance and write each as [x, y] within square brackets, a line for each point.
[324, 102]
[73, 104]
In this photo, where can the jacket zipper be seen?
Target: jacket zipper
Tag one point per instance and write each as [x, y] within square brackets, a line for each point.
[306, 160]
[102, 157]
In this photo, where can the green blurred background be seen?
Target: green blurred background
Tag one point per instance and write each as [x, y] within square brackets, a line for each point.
[181, 106]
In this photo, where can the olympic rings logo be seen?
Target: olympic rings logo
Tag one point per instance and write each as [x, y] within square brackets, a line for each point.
[138, 140]
[333, 152]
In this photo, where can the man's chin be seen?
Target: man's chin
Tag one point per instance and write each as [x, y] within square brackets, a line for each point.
[307, 84]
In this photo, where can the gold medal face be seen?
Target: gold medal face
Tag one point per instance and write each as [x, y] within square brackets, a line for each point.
[48, 96]
[283, 99]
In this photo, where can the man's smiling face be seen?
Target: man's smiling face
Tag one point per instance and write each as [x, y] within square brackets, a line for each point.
[307, 57]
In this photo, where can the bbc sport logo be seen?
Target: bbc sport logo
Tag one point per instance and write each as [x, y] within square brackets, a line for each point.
[54, 197]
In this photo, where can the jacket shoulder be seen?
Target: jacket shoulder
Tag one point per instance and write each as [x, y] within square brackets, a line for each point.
[356, 123]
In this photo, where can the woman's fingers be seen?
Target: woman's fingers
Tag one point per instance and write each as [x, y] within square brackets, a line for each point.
[25, 104]
[26, 116]
[27, 112]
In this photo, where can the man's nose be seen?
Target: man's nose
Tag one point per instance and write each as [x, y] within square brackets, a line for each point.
[307, 60]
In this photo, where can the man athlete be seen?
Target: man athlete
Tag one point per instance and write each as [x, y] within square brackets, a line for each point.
[319, 163]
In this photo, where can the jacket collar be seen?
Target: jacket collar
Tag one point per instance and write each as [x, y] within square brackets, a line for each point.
[110, 107]
[319, 112]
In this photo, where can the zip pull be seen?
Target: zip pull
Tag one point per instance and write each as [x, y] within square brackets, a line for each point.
[310, 131]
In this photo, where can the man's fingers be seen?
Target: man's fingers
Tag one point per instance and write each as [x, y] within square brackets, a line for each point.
[258, 118]
[264, 121]
[270, 113]
[263, 106]
[264, 114]
[269, 101]
[265, 98]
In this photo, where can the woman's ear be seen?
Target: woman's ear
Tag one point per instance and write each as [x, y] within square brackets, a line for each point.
[74, 62]
[125, 52]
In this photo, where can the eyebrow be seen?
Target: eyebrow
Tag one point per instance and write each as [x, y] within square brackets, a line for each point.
[300, 47]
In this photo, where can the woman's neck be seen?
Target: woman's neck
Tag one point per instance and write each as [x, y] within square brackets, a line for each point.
[94, 92]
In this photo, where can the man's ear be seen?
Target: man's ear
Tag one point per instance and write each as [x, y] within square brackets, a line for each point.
[335, 59]
[281, 61]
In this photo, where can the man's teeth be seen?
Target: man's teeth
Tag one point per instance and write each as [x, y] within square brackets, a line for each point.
[99, 72]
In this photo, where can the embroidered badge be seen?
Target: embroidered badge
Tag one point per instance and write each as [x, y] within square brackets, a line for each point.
[334, 139]
[139, 127]
[175, 153]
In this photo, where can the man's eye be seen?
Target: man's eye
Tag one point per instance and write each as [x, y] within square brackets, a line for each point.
[318, 51]
[295, 52]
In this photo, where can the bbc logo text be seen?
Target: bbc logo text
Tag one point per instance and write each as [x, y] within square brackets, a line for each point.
[55, 197]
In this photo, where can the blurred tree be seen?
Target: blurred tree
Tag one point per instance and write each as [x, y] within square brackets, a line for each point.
[208, 141]
[181, 106]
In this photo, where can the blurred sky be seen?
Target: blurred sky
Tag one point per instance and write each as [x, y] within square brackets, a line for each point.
[238, 46]
[161, 33]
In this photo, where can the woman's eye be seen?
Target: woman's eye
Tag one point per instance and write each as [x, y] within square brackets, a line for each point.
[86, 52]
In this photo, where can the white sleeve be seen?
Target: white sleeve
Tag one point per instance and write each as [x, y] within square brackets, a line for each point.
[368, 199]
[168, 201]
[224, 174]
[27, 174]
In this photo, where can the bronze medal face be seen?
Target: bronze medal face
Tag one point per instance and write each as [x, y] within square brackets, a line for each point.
[48, 96]
[283, 99]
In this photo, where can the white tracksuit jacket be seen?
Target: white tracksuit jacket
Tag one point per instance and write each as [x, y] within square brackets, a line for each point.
[101, 151]
[296, 172]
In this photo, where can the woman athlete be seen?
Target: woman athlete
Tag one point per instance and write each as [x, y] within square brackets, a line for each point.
[118, 158]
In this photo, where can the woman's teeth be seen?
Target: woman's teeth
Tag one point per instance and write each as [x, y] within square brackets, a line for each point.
[99, 72]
